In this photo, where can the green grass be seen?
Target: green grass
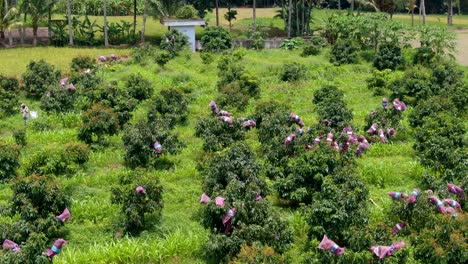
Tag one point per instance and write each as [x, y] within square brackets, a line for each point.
[178, 237]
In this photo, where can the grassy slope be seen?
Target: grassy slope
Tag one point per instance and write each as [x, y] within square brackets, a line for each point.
[178, 236]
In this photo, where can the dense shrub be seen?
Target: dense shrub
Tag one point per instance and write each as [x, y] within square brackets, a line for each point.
[9, 160]
[330, 106]
[430, 108]
[139, 141]
[234, 175]
[440, 143]
[293, 72]
[292, 44]
[20, 137]
[39, 76]
[318, 41]
[162, 58]
[231, 71]
[232, 97]
[138, 87]
[82, 63]
[168, 109]
[388, 57]
[97, 122]
[303, 175]
[9, 103]
[344, 52]
[174, 42]
[143, 53]
[416, 82]
[9, 83]
[265, 109]
[378, 81]
[58, 100]
[207, 57]
[447, 74]
[86, 82]
[424, 56]
[135, 205]
[340, 204]
[216, 39]
[186, 12]
[384, 118]
[217, 134]
[58, 161]
[310, 50]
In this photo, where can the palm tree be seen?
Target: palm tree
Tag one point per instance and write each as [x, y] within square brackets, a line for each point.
[411, 7]
[450, 12]
[255, 14]
[134, 16]
[10, 21]
[217, 13]
[143, 25]
[38, 9]
[70, 30]
[289, 18]
[422, 11]
[106, 37]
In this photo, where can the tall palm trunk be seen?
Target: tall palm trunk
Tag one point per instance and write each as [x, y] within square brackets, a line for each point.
[352, 5]
[289, 18]
[49, 19]
[70, 30]
[217, 13]
[106, 37]
[412, 17]
[450, 13]
[422, 12]
[143, 25]
[255, 14]
[339, 4]
[134, 16]
[5, 10]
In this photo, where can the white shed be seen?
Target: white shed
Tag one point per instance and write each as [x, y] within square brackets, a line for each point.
[186, 27]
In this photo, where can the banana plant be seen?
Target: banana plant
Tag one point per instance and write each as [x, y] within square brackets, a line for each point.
[11, 21]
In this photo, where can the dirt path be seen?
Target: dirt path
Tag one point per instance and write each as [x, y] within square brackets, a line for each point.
[462, 46]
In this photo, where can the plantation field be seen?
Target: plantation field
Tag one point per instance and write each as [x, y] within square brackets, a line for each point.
[178, 237]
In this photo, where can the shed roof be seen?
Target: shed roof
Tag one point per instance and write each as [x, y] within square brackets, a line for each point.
[184, 22]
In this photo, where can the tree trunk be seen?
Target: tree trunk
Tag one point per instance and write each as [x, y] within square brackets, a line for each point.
[49, 26]
[412, 17]
[339, 4]
[423, 11]
[450, 13]
[289, 18]
[217, 13]
[254, 15]
[70, 30]
[35, 35]
[352, 5]
[297, 19]
[143, 25]
[10, 38]
[106, 37]
[134, 16]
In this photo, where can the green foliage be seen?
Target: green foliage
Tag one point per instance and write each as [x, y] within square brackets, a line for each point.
[293, 72]
[162, 58]
[139, 143]
[20, 137]
[384, 118]
[378, 81]
[430, 108]
[134, 205]
[416, 82]
[186, 12]
[216, 39]
[141, 54]
[232, 97]
[439, 39]
[292, 44]
[310, 50]
[440, 143]
[330, 105]
[9, 103]
[231, 71]
[9, 83]
[317, 41]
[258, 40]
[344, 52]
[168, 109]
[207, 58]
[39, 76]
[424, 55]
[257, 254]
[81, 63]
[86, 82]
[58, 161]
[58, 100]
[138, 87]
[234, 174]
[98, 121]
[388, 57]
[9, 160]
[340, 204]
[217, 134]
[174, 42]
